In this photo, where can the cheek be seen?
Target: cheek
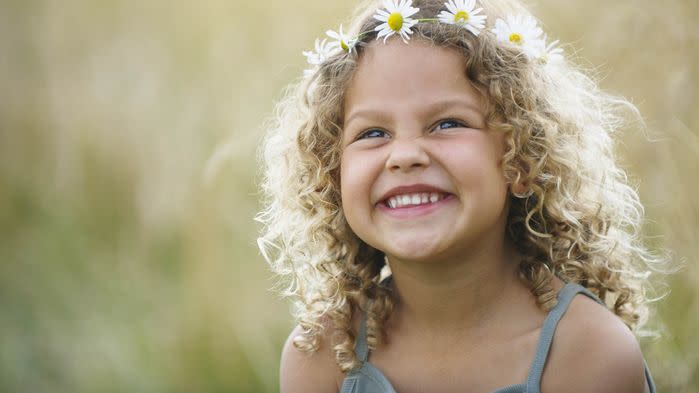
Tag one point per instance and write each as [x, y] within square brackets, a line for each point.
[351, 187]
[476, 165]
[345, 178]
[356, 173]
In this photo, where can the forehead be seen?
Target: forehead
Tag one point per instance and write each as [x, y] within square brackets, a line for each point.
[397, 75]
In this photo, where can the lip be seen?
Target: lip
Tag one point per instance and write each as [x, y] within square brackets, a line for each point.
[410, 189]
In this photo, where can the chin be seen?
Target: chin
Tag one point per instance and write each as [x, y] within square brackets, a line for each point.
[413, 251]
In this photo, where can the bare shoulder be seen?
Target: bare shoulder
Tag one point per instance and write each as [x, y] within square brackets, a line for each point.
[315, 371]
[309, 371]
[593, 351]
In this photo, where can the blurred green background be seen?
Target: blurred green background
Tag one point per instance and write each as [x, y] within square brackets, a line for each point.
[128, 132]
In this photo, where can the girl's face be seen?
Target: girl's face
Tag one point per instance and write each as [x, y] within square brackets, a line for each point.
[421, 176]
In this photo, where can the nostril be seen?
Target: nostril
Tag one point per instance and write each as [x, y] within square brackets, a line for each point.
[408, 162]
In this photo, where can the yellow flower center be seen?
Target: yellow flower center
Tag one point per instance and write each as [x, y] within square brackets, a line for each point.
[516, 38]
[461, 17]
[344, 45]
[395, 21]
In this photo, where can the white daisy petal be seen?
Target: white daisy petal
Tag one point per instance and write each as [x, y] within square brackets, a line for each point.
[383, 12]
[320, 54]
[341, 40]
[473, 30]
[317, 56]
[381, 15]
[396, 19]
[464, 14]
[445, 17]
[411, 11]
[478, 21]
[453, 9]
[549, 54]
[384, 33]
[381, 27]
[520, 31]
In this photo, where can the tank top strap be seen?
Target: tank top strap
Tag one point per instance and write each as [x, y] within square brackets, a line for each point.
[564, 297]
[361, 348]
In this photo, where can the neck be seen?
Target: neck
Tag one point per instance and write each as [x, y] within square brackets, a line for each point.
[450, 297]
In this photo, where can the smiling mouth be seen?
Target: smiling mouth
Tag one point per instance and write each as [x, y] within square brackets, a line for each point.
[414, 199]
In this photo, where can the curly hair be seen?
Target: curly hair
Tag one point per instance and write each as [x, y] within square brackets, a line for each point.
[580, 219]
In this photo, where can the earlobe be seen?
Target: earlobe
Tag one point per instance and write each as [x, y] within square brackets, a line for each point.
[519, 186]
[522, 194]
[520, 189]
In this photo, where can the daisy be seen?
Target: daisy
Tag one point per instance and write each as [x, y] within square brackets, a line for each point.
[550, 53]
[320, 54]
[317, 56]
[396, 19]
[462, 13]
[342, 40]
[521, 31]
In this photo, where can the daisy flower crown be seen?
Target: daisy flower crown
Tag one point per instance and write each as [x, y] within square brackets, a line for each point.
[519, 31]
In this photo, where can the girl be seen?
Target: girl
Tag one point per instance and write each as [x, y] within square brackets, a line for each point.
[441, 185]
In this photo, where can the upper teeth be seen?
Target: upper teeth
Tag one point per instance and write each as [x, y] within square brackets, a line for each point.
[413, 199]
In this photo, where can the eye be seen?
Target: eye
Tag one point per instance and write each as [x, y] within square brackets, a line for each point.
[449, 123]
[372, 133]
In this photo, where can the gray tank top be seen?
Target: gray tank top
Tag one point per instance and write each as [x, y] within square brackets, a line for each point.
[368, 379]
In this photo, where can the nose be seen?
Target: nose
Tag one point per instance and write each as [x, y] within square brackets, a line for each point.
[407, 154]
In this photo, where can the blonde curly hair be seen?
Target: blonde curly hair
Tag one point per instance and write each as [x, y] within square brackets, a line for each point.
[580, 220]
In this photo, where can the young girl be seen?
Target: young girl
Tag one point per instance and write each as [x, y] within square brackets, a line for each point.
[441, 185]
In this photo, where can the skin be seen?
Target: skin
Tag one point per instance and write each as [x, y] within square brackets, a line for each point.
[465, 321]
[453, 262]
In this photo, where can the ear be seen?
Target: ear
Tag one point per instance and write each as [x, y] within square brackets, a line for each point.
[520, 188]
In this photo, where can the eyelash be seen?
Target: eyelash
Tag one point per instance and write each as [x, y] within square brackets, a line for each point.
[364, 135]
[457, 122]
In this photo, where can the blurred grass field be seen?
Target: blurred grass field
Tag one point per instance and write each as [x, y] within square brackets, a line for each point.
[128, 132]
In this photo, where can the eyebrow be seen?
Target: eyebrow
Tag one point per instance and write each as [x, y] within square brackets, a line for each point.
[435, 107]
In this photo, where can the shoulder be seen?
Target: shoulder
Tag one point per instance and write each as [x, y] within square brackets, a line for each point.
[593, 351]
[315, 371]
[308, 371]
